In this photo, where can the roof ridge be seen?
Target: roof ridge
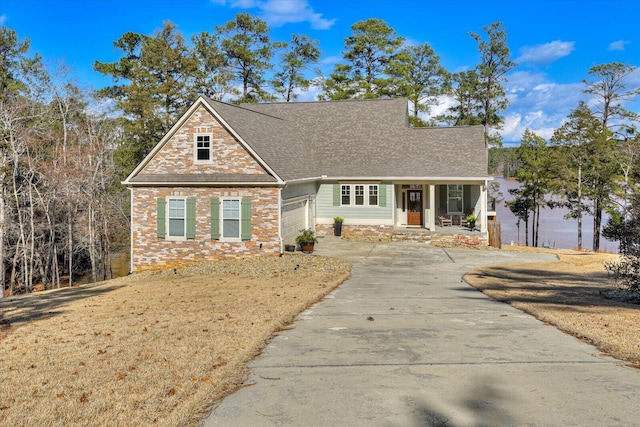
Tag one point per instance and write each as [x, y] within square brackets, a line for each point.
[329, 101]
[210, 101]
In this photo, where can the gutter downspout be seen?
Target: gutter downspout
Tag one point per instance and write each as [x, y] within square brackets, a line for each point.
[280, 220]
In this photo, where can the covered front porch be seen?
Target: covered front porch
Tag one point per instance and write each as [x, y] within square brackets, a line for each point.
[440, 207]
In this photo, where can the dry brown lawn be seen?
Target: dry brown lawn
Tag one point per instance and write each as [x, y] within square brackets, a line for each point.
[160, 348]
[151, 349]
[568, 293]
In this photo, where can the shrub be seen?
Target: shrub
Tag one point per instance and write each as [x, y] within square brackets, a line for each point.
[306, 236]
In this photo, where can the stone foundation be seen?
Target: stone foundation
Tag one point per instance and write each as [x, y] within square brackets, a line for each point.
[450, 240]
[359, 233]
[386, 234]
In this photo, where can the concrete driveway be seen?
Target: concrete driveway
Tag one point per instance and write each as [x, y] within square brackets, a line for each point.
[405, 342]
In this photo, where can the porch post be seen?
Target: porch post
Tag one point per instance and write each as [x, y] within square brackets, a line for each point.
[483, 203]
[432, 207]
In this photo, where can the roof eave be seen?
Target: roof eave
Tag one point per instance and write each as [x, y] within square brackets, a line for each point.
[202, 184]
[406, 178]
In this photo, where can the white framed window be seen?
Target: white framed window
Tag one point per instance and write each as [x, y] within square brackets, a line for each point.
[230, 219]
[359, 195]
[177, 217]
[203, 148]
[373, 195]
[345, 191]
[454, 198]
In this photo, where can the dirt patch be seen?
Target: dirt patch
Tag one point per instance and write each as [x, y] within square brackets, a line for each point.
[157, 348]
[568, 293]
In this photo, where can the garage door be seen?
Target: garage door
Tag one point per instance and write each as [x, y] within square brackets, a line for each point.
[294, 219]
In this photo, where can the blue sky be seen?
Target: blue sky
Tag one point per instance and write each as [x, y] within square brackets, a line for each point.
[555, 42]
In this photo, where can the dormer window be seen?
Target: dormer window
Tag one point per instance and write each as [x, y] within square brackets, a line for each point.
[203, 148]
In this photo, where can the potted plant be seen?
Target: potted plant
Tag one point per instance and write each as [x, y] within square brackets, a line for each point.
[306, 239]
[471, 220]
[337, 226]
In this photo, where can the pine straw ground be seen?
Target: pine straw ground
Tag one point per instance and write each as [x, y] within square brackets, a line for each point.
[569, 294]
[154, 348]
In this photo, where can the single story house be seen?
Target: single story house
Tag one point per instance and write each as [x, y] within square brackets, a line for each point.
[231, 180]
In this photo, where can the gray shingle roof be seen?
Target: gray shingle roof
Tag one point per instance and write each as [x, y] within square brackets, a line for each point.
[355, 138]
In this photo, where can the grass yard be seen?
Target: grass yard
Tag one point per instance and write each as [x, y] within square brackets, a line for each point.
[154, 348]
[568, 293]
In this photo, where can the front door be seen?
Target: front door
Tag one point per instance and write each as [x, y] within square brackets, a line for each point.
[414, 211]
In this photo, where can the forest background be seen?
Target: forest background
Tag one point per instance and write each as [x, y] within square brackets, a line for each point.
[65, 148]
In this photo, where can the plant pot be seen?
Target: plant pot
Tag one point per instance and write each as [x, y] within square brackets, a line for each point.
[307, 247]
[472, 225]
[290, 248]
[337, 229]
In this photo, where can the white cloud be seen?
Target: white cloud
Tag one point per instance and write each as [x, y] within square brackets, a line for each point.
[309, 95]
[545, 53]
[330, 60]
[537, 104]
[3, 19]
[618, 45]
[444, 103]
[281, 12]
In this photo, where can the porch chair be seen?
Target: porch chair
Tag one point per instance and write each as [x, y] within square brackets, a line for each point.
[444, 221]
[463, 218]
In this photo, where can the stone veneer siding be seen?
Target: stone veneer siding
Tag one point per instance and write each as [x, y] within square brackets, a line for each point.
[177, 156]
[386, 233]
[151, 252]
[370, 233]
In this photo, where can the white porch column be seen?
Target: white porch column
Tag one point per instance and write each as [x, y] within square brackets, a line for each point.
[432, 208]
[483, 203]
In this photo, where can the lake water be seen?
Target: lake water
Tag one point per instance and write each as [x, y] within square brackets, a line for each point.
[558, 232]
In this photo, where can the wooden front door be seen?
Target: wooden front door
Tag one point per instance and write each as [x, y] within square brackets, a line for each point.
[414, 205]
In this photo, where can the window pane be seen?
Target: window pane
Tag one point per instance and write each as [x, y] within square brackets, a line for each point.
[373, 195]
[176, 208]
[231, 209]
[359, 190]
[176, 217]
[346, 194]
[454, 202]
[455, 190]
[203, 154]
[231, 218]
[231, 228]
[176, 227]
[203, 147]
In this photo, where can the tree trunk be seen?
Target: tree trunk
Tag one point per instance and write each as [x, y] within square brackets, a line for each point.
[92, 243]
[597, 222]
[580, 207]
[70, 248]
[537, 225]
[3, 253]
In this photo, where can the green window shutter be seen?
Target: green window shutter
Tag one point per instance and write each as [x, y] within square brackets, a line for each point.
[336, 194]
[466, 199]
[443, 196]
[382, 195]
[245, 215]
[215, 219]
[162, 218]
[191, 218]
